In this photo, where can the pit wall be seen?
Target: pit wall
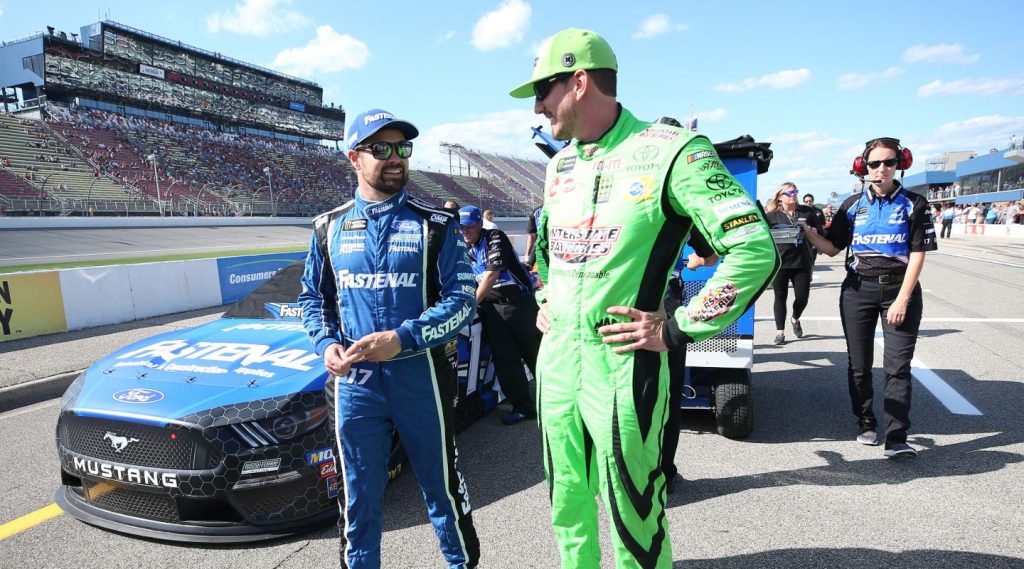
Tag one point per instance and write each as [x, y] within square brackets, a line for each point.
[46, 302]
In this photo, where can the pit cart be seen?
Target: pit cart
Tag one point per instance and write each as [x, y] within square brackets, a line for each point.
[717, 369]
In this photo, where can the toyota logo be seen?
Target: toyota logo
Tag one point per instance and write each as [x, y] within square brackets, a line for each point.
[719, 182]
[645, 153]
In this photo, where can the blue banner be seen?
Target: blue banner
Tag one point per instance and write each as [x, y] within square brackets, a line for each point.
[240, 275]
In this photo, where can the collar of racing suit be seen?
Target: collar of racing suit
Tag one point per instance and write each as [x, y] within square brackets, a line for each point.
[373, 210]
[610, 139]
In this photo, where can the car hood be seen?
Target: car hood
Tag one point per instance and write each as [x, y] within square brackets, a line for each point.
[221, 363]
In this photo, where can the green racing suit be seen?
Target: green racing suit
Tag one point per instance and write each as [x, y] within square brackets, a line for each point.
[616, 213]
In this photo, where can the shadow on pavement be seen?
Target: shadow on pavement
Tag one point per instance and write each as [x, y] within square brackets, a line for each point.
[855, 559]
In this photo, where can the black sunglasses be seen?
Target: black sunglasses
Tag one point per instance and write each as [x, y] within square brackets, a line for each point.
[542, 88]
[889, 163]
[382, 150]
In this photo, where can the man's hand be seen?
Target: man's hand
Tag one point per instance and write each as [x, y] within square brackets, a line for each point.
[376, 347]
[542, 318]
[644, 332]
[334, 361]
[695, 261]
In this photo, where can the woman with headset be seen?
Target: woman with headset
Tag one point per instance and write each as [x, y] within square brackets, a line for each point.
[888, 230]
[784, 212]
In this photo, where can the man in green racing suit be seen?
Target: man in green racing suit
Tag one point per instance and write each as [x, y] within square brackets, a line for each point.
[618, 203]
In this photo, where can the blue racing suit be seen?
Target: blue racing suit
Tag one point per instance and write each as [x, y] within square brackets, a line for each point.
[396, 265]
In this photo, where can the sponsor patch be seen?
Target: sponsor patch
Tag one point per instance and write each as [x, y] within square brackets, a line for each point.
[879, 239]
[720, 182]
[404, 248]
[645, 153]
[438, 218]
[713, 165]
[733, 206]
[260, 466]
[348, 279]
[406, 226]
[565, 164]
[737, 235]
[453, 323]
[332, 487]
[603, 187]
[354, 225]
[346, 248]
[739, 221]
[714, 303]
[641, 190]
[328, 469]
[578, 244]
[691, 158]
[316, 457]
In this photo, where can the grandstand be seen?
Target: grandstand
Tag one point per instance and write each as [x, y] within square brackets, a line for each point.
[125, 122]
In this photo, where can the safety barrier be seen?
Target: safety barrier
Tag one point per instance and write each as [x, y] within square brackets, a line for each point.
[46, 302]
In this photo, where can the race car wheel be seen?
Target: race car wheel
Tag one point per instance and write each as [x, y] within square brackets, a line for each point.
[733, 403]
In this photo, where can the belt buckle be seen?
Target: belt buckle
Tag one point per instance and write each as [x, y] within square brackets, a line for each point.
[886, 279]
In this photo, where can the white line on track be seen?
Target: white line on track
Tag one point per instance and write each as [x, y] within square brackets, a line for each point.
[983, 260]
[950, 399]
[29, 409]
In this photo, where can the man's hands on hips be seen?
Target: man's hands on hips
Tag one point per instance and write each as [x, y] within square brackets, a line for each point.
[643, 333]
[376, 347]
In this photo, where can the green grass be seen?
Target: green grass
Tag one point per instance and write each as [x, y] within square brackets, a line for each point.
[152, 259]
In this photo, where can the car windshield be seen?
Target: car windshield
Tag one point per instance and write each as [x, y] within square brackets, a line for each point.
[282, 288]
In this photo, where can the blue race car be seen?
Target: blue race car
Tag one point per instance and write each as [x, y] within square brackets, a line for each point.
[221, 432]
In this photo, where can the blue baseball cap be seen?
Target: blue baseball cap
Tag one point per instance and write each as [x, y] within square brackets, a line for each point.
[470, 215]
[369, 122]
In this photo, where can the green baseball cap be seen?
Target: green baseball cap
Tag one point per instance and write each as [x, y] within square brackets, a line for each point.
[567, 51]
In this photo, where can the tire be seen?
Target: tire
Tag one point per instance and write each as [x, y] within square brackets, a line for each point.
[733, 403]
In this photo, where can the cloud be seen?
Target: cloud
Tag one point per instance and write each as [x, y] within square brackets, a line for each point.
[446, 37]
[502, 132]
[942, 53]
[502, 27]
[982, 86]
[657, 25]
[786, 79]
[714, 115]
[257, 18]
[976, 133]
[849, 81]
[328, 52]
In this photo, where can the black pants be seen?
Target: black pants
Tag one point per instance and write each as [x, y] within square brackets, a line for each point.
[947, 228]
[512, 333]
[670, 441]
[801, 279]
[861, 304]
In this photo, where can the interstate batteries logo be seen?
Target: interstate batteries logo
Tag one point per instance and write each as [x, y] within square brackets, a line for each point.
[582, 242]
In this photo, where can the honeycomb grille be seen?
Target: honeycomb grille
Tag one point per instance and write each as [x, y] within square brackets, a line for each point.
[123, 500]
[268, 502]
[152, 446]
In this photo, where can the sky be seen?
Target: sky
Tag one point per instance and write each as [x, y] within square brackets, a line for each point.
[816, 79]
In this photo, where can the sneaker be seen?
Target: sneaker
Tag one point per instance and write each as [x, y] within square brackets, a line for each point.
[900, 450]
[514, 418]
[798, 331]
[780, 339]
[868, 436]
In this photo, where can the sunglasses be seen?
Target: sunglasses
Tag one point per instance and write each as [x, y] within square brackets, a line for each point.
[382, 150]
[542, 88]
[889, 163]
[790, 194]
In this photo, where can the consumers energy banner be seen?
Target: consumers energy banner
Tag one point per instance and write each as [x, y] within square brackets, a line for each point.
[30, 304]
[240, 275]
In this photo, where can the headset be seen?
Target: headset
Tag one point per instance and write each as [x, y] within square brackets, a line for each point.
[860, 166]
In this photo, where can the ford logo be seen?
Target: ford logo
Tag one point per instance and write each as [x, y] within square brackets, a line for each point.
[138, 396]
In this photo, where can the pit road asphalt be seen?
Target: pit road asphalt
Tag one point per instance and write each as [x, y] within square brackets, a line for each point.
[798, 493]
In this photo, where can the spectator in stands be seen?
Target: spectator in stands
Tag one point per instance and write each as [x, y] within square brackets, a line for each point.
[507, 309]
[489, 220]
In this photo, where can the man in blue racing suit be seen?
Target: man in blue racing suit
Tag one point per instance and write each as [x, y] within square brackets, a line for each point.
[386, 287]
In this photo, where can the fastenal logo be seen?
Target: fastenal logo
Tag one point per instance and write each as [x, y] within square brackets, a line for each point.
[139, 395]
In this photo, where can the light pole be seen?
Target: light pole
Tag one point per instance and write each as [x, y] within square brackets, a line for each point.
[273, 208]
[159, 200]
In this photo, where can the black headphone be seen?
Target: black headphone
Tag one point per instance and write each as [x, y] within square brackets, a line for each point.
[860, 166]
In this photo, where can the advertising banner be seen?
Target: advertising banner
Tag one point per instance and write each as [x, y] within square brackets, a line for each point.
[240, 275]
[151, 71]
[30, 304]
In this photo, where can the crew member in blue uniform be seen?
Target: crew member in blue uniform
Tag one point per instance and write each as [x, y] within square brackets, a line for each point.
[507, 309]
[888, 231]
[386, 287]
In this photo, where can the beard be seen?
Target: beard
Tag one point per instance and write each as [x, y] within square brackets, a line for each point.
[389, 186]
